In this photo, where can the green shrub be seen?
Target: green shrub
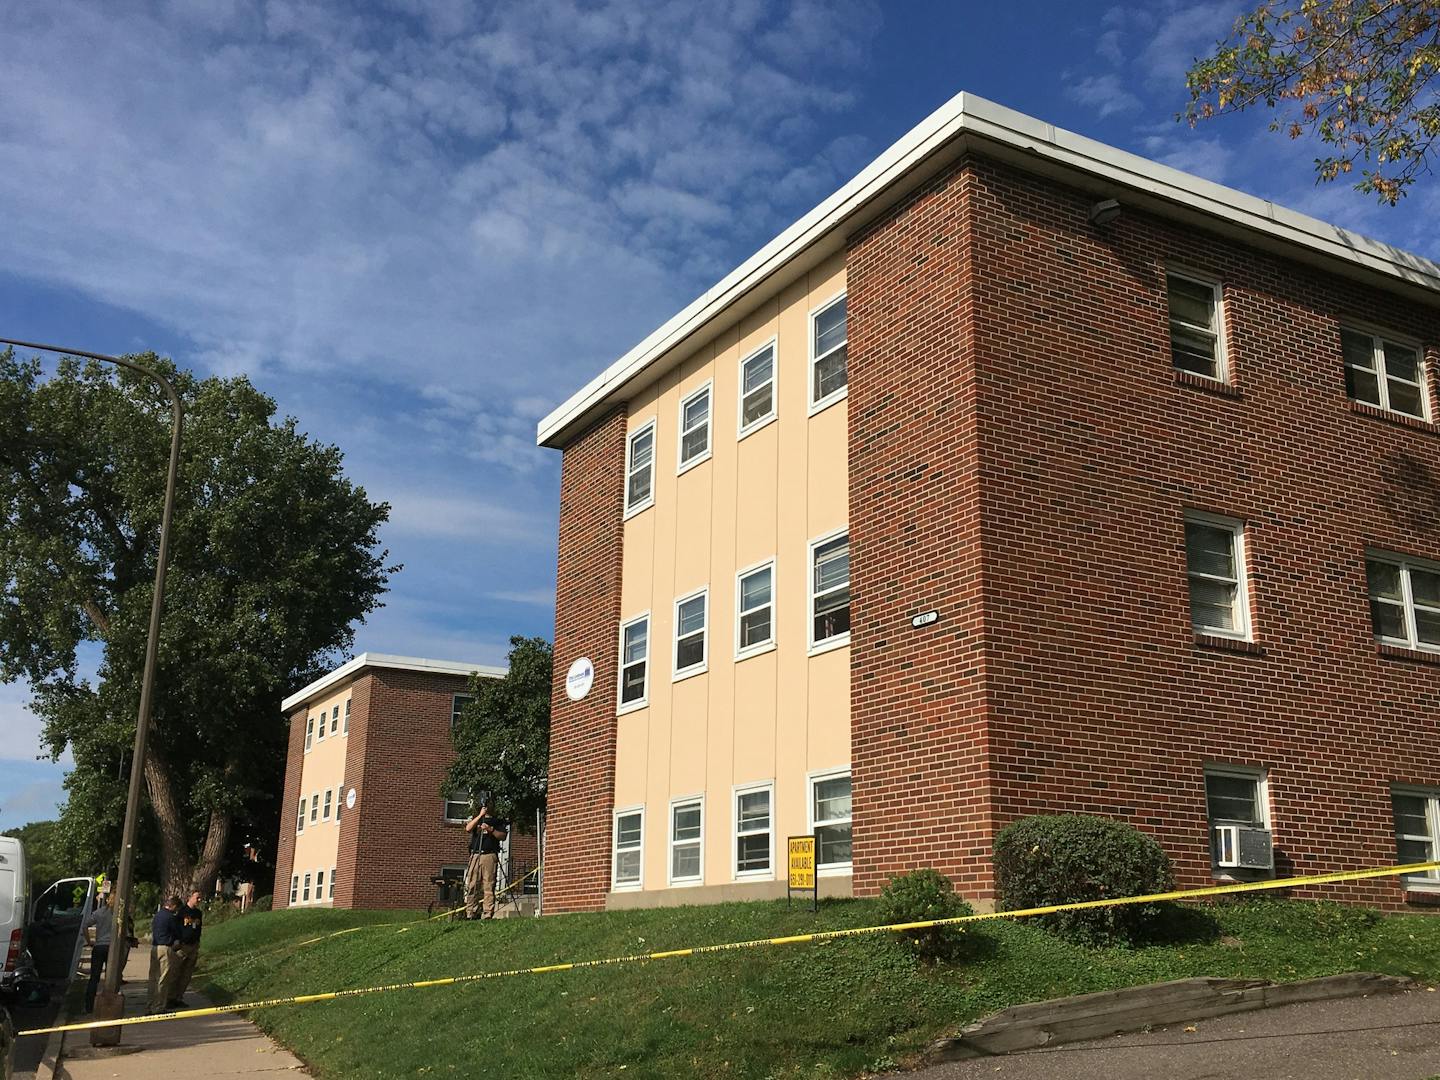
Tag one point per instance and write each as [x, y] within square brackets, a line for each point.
[263, 904]
[144, 899]
[1070, 858]
[919, 896]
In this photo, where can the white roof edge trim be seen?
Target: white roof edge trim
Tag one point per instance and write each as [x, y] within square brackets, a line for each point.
[385, 660]
[962, 114]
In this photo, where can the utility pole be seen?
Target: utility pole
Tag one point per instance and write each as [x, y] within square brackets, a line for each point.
[110, 1004]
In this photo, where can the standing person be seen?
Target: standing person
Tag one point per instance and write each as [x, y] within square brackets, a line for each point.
[248, 872]
[192, 918]
[103, 920]
[486, 832]
[164, 941]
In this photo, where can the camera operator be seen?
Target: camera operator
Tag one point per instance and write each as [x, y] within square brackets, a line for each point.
[486, 832]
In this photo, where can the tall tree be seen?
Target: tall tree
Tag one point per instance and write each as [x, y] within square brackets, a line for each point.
[1358, 74]
[274, 557]
[502, 739]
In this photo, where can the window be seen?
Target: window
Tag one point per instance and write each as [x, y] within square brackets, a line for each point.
[325, 813]
[305, 895]
[827, 354]
[1215, 564]
[314, 807]
[319, 885]
[757, 389]
[320, 728]
[1417, 832]
[695, 428]
[339, 801]
[634, 657]
[1234, 795]
[457, 706]
[300, 820]
[331, 894]
[690, 634]
[686, 840]
[629, 844]
[1404, 602]
[309, 732]
[345, 729]
[640, 469]
[830, 590]
[752, 832]
[335, 720]
[754, 610]
[457, 808]
[1384, 373]
[1197, 336]
[830, 818]
[294, 887]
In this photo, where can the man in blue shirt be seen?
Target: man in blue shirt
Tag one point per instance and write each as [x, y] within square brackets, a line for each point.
[164, 946]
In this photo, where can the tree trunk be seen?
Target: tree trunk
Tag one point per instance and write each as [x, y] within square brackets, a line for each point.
[175, 868]
[212, 855]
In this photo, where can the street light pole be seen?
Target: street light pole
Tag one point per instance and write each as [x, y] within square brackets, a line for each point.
[147, 684]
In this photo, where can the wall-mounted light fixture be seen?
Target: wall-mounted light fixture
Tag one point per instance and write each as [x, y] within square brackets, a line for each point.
[1104, 212]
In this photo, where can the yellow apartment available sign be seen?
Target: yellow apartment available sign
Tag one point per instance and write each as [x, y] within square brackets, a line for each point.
[802, 862]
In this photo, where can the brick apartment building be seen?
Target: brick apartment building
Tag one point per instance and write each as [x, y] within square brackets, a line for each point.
[364, 825]
[1023, 475]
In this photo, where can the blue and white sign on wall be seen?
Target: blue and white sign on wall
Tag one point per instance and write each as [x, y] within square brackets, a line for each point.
[579, 679]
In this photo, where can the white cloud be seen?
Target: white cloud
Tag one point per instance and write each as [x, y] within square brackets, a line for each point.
[1106, 94]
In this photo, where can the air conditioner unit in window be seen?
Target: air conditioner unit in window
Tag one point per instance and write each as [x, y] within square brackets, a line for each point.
[1244, 848]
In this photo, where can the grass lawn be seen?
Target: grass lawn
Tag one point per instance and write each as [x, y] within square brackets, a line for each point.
[829, 1010]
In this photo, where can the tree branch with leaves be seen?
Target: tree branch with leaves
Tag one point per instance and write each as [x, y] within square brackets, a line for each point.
[1359, 75]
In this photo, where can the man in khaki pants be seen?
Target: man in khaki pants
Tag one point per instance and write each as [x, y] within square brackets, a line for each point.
[164, 953]
[486, 832]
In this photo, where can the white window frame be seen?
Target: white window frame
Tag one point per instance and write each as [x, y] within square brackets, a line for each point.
[631, 509]
[345, 728]
[1430, 880]
[326, 804]
[616, 885]
[1222, 349]
[1258, 775]
[743, 429]
[339, 800]
[305, 894]
[1378, 337]
[735, 872]
[458, 702]
[699, 842]
[331, 893]
[445, 810]
[314, 807]
[1403, 563]
[829, 869]
[705, 389]
[676, 672]
[643, 701]
[319, 886]
[300, 818]
[294, 889]
[320, 729]
[838, 641]
[335, 721]
[746, 651]
[821, 404]
[309, 731]
[1244, 630]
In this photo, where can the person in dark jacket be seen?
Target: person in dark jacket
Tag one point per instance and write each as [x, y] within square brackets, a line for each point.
[164, 958]
[192, 918]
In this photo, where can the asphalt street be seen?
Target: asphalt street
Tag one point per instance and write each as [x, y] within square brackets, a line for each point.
[1386, 1037]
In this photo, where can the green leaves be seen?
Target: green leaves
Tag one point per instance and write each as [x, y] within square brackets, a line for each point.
[502, 739]
[1357, 74]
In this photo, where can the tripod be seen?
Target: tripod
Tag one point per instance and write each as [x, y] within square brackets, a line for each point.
[502, 884]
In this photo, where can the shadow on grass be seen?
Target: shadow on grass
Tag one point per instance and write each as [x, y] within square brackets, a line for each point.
[1179, 924]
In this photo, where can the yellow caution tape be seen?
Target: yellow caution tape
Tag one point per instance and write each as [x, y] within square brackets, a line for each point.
[793, 939]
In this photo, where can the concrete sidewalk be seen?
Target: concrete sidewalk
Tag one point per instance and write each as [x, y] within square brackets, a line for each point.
[209, 1046]
[1386, 1037]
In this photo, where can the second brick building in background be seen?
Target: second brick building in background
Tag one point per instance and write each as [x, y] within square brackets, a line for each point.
[1023, 475]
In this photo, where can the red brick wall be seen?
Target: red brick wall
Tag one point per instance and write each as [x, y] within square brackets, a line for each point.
[1097, 696]
[401, 837]
[918, 743]
[289, 809]
[587, 615]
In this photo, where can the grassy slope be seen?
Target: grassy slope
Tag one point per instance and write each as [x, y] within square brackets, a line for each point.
[826, 1010]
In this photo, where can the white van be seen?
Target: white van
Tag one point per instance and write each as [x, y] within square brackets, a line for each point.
[14, 907]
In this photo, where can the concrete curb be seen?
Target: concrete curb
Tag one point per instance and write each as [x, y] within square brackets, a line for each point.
[49, 1067]
[1138, 1008]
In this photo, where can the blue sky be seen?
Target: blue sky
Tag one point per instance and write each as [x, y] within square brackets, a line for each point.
[421, 225]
